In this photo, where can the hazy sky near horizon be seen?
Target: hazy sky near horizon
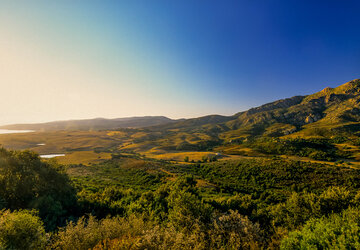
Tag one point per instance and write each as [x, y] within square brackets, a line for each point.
[75, 59]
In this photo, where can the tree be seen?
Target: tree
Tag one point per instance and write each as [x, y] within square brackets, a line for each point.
[186, 208]
[26, 182]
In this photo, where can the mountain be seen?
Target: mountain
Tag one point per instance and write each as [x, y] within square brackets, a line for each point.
[331, 111]
[94, 124]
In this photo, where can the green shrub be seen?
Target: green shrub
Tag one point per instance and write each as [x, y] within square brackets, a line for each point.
[87, 233]
[234, 231]
[21, 230]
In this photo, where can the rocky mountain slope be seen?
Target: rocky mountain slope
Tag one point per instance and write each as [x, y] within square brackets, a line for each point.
[331, 110]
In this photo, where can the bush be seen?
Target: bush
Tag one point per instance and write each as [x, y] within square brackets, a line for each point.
[88, 233]
[21, 230]
[234, 231]
[299, 208]
[339, 231]
[334, 200]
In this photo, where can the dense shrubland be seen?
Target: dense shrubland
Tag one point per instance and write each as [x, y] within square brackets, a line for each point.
[315, 148]
[250, 204]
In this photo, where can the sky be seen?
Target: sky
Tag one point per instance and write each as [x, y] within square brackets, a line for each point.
[74, 59]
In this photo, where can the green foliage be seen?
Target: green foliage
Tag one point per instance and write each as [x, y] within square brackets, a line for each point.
[153, 205]
[2, 203]
[212, 158]
[186, 207]
[109, 201]
[296, 210]
[28, 183]
[318, 149]
[234, 231]
[300, 207]
[224, 231]
[87, 233]
[338, 231]
[138, 175]
[204, 158]
[275, 178]
[21, 230]
[235, 204]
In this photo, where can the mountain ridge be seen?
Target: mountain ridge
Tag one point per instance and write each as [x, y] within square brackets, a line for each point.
[335, 106]
[332, 107]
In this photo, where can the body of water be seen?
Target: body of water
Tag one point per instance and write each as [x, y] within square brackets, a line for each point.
[8, 131]
[51, 156]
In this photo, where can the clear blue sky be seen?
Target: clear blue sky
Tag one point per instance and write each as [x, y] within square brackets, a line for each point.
[101, 58]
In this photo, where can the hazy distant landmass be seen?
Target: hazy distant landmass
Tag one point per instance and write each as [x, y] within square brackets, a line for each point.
[94, 124]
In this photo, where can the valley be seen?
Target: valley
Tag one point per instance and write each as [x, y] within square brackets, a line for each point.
[278, 168]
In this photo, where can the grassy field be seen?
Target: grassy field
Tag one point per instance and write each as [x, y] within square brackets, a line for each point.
[83, 157]
[179, 156]
[58, 141]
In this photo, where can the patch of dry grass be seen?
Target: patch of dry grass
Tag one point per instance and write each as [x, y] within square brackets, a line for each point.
[179, 156]
[83, 157]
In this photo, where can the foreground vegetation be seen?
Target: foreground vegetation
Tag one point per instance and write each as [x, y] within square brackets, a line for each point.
[132, 203]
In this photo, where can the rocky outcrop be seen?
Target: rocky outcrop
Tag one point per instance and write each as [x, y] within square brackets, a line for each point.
[312, 118]
[290, 131]
[284, 103]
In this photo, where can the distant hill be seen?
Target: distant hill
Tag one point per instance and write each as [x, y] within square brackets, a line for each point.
[94, 124]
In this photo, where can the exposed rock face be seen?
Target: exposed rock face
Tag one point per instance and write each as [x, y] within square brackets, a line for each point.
[309, 119]
[284, 103]
[289, 131]
[312, 118]
[331, 104]
[352, 87]
[326, 90]
[335, 98]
